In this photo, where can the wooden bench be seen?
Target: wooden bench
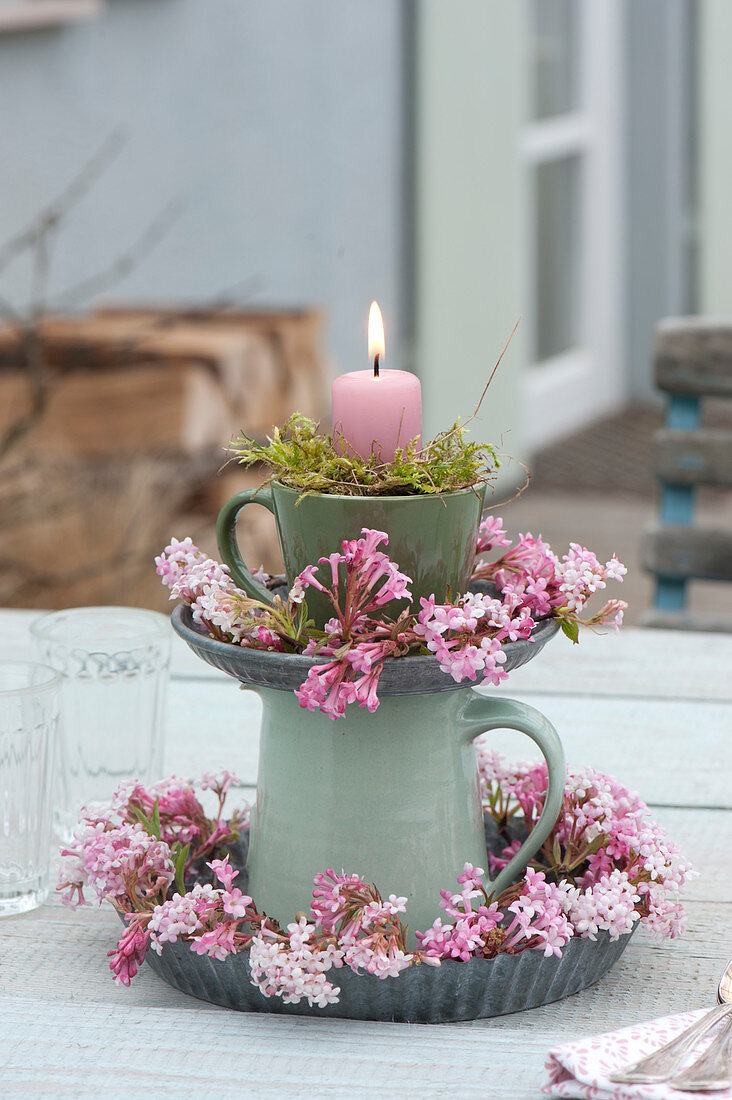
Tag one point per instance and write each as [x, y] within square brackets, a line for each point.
[693, 361]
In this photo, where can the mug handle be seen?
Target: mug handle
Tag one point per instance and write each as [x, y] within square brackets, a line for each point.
[229, 547]
[482, 714]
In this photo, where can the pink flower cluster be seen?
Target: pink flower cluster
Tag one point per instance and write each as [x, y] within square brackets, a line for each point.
[330, 687]
[117, 862]
[213, 919]
[180, 815]
[538, 921]
[368, 928]
[466, 637]
[615, 863]
[295, 968]
[189, 574]
[605, 867]
[371, 580]
[130, 851]
[351, 926]
[217, 604]
[532, 574]
[359, 644]
[609, 904]
[129, 954]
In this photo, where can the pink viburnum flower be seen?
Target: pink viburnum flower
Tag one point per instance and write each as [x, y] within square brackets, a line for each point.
[605, 867]
[221, 782]
[627, 869]
[115, 861]
[466, 637]
[131, 950]
[186, 571]
[296, 970]
[491, 534]
[367, 927]
[536, 920]
[182, 915]
[217, 943]
[544, 583]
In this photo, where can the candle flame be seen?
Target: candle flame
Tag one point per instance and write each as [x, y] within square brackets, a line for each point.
[376, 333]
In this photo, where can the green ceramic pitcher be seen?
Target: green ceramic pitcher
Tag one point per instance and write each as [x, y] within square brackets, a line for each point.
[392, 796]
[432, 538]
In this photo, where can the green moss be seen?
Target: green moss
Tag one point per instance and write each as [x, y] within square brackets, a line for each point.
[299, 456]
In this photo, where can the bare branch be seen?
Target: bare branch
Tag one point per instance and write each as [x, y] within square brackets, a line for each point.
[35, 366]
[9, 313]
[493, 372]
[462, 423]
[231, 297]
[70, 197]
[521, 489]
[41, 270]
[120, 268]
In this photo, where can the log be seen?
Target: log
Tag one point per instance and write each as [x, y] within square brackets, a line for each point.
[702, 457]
[139, 408]
[142, 409]
[693, 356]
[294, 336]
[76, 533]
[268, 365]
[703, 553]
[19, 15]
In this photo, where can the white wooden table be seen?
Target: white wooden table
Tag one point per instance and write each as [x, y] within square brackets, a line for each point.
[654, 708]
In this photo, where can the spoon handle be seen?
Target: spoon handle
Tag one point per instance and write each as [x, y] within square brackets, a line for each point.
[663, 1063]
[713, 1071]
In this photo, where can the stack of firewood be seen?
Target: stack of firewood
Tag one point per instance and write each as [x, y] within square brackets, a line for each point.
[127, 414]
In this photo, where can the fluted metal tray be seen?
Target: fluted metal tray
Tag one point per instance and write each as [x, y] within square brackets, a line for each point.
[455, 991]
[420, 995]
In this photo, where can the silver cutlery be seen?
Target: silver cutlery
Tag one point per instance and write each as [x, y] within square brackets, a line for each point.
[713, 1071]
[663, 1063]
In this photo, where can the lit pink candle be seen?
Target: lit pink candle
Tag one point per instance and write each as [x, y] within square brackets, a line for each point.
[376, 411]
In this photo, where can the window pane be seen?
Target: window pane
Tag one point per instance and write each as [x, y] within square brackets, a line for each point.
[554, 30]
[557, 268]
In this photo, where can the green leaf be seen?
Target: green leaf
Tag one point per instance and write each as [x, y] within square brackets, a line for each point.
[180, 866]
[155, 820]
[571, 629]
[143, 819]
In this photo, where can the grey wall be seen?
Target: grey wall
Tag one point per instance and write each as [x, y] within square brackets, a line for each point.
[279, 123]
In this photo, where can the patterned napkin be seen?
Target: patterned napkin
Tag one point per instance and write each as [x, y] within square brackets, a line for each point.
[581, 1069]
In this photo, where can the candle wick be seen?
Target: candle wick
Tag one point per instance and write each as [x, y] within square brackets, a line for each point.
[376, 365]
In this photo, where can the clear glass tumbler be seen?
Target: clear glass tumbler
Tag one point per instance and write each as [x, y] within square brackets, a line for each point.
[114, 663]
[29, 707]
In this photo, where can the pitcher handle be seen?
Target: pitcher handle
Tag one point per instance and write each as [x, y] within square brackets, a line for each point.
[229, 547]
[482, 714]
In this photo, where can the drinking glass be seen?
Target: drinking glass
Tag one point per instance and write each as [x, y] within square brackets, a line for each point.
[114, 665]
[29, 698]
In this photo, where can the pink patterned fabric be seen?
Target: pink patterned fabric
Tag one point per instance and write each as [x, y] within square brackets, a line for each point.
[581, 1069]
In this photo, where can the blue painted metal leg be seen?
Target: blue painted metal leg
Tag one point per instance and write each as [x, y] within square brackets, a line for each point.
[670, 594]
[677, 502]
[683, 412]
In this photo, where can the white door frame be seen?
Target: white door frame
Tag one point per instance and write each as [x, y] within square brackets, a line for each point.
[568, 391]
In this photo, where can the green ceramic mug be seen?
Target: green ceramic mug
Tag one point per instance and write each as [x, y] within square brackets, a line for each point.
[432, 538]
